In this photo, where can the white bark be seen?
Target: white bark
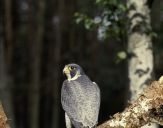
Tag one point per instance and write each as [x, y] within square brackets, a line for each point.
[140, 64]
[139, 48]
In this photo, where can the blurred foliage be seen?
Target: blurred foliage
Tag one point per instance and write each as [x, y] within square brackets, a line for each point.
[121, 55]
[110, 21]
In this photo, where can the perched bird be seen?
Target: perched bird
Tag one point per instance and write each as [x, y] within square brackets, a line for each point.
[80, 98]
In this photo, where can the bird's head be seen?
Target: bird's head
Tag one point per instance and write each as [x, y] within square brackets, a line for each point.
[73, 71]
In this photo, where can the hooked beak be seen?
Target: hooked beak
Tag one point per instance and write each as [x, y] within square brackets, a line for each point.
[66, 70]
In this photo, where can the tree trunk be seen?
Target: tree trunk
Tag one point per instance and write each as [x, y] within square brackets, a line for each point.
[36, 30]
[140, 62]
[8, 31]
[55, 116]
[5, 90]
[57, 56]
[6, 50]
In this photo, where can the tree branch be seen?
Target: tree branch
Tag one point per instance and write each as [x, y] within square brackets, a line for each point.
[148, 108]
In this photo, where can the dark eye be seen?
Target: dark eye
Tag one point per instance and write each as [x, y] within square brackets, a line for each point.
[72, 67]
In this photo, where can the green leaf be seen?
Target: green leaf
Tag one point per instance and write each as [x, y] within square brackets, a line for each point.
[122, 55]
[79, 20]
[88, 23]
[122, 7]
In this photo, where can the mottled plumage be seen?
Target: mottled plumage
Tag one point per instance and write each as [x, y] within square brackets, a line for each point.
[80, 98]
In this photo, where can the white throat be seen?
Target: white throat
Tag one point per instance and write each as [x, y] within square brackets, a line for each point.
[73, 78]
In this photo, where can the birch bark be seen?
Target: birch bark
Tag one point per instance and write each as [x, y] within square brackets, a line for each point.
[140, 63]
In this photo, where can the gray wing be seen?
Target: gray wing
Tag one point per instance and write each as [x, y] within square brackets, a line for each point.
[69, 100]
[81, 100]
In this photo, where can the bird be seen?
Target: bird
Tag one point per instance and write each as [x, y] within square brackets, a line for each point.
[80, 98]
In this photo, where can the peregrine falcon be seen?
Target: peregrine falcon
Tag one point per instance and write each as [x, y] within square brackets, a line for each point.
[80, 98]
